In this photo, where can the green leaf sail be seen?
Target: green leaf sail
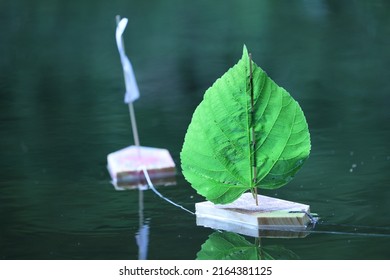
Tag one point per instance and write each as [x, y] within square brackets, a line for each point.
[218, 156]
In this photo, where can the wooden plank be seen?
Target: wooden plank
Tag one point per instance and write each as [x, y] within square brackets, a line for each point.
[243, 214]
[249, 230]
[125, 167]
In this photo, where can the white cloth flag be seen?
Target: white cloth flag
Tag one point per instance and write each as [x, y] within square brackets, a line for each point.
[132, 92]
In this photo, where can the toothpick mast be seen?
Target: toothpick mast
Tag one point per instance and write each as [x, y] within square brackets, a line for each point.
[131, 107]
[134, 124]
[253, 159]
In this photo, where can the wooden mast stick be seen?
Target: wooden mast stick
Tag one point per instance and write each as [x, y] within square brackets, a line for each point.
[134, 124]
[131, 107]
[254, 168]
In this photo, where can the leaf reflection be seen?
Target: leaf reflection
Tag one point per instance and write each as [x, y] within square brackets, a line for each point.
[232, 246]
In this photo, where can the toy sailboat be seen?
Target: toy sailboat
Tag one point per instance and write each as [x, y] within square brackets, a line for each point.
[126, 165]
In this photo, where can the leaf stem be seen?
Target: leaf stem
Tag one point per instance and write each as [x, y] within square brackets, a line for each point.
[253, 157]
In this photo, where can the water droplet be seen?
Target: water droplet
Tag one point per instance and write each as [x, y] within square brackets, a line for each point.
[354, 165]
[351, 153]
[351, 170]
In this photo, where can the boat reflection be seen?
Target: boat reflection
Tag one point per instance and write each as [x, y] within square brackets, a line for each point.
[137, 181]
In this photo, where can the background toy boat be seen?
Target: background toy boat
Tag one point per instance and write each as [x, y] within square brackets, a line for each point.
[126, 165]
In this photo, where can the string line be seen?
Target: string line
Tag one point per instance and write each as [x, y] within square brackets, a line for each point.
[150, 184]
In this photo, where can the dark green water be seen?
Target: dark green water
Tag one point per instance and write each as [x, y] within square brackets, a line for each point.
[61, 113]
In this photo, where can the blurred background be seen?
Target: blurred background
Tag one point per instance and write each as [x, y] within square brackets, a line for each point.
[62, 112]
